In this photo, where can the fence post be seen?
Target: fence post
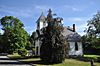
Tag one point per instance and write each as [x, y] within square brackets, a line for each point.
[92, 62]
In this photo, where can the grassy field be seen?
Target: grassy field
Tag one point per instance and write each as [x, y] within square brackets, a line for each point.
[92, 56]
[15, 56]
[71, 62]
[37, 61]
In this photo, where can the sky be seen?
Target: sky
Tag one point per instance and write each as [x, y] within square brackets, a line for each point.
[76, 12]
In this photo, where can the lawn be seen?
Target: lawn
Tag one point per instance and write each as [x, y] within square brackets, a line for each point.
[74, 62]
[71, 62]
[15, 56]
[92, 56]
[37, 61]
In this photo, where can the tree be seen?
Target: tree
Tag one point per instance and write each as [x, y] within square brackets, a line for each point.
[94, 26]
[93, 31]
[15, 37]
[32, 42]
[32, 39]
[54, 45]
[1, 44]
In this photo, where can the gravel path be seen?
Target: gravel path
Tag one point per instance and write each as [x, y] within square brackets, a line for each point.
[5, 61]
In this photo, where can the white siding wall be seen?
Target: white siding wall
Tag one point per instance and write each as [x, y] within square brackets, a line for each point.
[80, 49]
[72, 50]
[41, 24]
[37, 44]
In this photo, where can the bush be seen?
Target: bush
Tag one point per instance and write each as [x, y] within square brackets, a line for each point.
[22, 52]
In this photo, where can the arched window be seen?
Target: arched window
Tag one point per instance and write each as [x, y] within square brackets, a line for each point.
[37, 50]
[76, 46]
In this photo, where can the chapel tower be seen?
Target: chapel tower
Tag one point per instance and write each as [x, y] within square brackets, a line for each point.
[41, 22]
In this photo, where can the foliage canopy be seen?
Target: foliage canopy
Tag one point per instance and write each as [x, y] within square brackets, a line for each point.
[14, 37]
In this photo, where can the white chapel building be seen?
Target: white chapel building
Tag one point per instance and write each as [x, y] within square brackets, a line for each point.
[74, 39]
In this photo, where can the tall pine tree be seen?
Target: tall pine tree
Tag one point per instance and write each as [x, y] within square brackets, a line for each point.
[54, 45]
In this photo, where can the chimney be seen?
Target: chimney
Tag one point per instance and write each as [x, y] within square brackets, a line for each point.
[73, 27]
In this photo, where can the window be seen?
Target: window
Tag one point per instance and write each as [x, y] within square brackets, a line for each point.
[37, 50]
[76, 46]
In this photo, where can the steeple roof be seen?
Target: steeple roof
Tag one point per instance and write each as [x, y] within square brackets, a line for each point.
[41, 18]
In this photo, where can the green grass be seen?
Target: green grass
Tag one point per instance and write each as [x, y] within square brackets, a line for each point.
[67, 62]
[92, 56]
[14, 56]
[71, 62]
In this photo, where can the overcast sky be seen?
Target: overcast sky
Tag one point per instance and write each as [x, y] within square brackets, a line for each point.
[72, 11]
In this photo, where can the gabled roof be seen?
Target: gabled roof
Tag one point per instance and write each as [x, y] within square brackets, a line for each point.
[67, 31]
[70, 35]
[74, 37]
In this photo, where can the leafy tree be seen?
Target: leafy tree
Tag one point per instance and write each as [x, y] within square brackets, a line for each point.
[93, 31]
[15, 37]
[1, 46]
[54, 45]
[94, 26]
[32, 39]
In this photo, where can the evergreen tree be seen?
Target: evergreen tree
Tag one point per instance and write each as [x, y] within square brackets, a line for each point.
[54, 45]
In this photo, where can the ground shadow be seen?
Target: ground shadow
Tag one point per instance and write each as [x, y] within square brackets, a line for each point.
[4, 59]
[85, 59]
[24, 57]
[11, 63]
[35, 62]
[32, 62]
[40, 62]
